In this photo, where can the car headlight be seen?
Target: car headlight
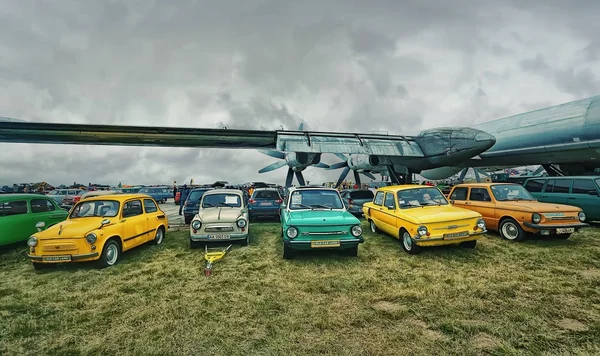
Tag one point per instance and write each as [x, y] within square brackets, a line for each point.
[356, 230]
[33, 241]
[536, 218]
[91, 238]
[196, 225]
[291, 232]
[241, 223]
[581, 216]
[481, 224]
[422, 230]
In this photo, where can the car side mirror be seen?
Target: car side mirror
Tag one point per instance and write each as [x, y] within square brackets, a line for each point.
[105, 222]
[40, 225]
[452, 201]
[391, 207]
[593, 192]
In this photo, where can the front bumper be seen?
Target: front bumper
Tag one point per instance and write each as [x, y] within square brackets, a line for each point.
[440, 240]
[545, 229]
[306, 244]
[60, 258]
[211, 237]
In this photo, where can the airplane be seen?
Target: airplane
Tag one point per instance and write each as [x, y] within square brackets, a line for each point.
[361, 167]
[296, 162]
[402, 155]
[563, 139]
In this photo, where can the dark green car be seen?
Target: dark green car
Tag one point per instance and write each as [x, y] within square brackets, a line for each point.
[20, 213]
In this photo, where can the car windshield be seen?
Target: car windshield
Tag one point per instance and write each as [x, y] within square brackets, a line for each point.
[266, 194]
[315, 199]
[196, 195]
[504, 192]
[410, 198]
[361, 194]
[221, 200]
[98, 208]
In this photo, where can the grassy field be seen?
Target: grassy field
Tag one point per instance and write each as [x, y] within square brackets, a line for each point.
[536, 297]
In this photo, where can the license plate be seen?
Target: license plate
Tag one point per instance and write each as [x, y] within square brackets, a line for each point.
[328, 243]
[266, 203]
[219, 237]
[57, 259]
[456, 235]
[568, 230]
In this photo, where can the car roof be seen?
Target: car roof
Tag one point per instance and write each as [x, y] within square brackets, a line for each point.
[119, 197]
[22, 196]
[269, 188]
[485, 184]
[222, 191]
[397, 188]
[202, 188]
[291, 189]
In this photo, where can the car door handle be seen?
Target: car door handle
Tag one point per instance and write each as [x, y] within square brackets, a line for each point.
[571, 198]
[544, 196]
[123, 220]
[467, 203]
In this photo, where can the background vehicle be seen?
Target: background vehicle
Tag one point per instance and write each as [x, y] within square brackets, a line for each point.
[191, 206]
[160, 194]
[355, 198]
[264, 203]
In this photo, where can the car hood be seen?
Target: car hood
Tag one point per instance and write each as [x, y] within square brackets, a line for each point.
[219, 214]
[71, 228]
[322, 217]
[434, 214]
[536, 206]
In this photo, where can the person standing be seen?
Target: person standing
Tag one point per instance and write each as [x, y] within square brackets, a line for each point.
[183, 196]
[174, 191]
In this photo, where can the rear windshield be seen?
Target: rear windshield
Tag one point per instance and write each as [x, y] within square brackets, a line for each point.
[196, 195]
[361, 194]
[266, 194]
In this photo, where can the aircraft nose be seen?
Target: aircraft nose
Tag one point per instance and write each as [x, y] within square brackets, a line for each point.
[484, 139]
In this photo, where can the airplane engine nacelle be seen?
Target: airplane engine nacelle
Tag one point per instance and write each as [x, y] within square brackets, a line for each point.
[363, 162]
[440, 173]
[302, 159]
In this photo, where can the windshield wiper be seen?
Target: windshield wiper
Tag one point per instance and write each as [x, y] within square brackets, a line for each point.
[320, 206]
[208, 205]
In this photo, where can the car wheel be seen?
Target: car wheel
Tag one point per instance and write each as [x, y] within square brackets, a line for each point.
[373, 227]
[195, 244]
[247, 240]
[40, 266]
[563, 236]
[288, 252]
[110, 254]
[160, 235]
[511, 230]
[187, 220]
[408, 244]
[352, 251]
[469, 244]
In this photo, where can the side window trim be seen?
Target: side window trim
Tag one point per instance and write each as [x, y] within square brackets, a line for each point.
[388, 194]
[382, 195]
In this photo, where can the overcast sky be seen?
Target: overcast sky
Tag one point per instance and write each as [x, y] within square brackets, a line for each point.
[395, 66]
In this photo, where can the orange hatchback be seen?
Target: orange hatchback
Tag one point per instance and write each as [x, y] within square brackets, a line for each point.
[509, 209]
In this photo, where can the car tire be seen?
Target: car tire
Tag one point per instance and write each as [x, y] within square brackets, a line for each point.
[510, 230]
[159, 236]
[247, 240]
[188, 220]
[373, 227]
[195, 244]
[110, 254]
[563, 236]
[469, 244]
[408, 244]
[352, 251]
[40, 266]
[288, 252]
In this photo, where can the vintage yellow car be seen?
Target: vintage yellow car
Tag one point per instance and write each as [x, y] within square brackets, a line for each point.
[509, 209]
[100, 229]
[420, 216]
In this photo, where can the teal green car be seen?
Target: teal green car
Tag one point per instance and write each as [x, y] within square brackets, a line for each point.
[315, 218]
[21, 215]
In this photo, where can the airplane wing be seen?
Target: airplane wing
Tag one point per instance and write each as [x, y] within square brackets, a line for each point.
[287, 141]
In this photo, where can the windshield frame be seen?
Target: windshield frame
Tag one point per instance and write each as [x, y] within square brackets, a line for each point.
[421, 202]
[95, 202]
[518, 186]
[239, 196]
[300, 191]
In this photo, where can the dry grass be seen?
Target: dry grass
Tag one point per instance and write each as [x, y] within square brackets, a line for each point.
[535, 297]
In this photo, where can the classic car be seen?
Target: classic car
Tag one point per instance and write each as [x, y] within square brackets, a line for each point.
[355, 198]
[159, 194]
[191, 206]
[20, 213]
[99, 229]
[509, 209]
[223, 216]
[420, 215]
[316, 218]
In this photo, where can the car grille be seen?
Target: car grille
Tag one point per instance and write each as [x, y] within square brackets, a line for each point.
[564, 218]
[59, 247]
[218, 228]
[324, 233]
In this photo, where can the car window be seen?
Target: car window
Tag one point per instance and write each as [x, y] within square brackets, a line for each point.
[549, 186]
[132, 208]
[196, 195]
[150, 206]
[362, 194]
[534, 185]
[41, 206]
[389, 201]
[13, 208]
[315, 199]
[562, 186]
[459, 194]
[266, 194]
[221, 200]
[410, 198]
[378, 198]
[582, 186]
[479, 194]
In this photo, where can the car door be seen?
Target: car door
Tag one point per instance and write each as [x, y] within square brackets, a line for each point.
[44, 210]
[388, 214]
[376, 212]
[584, 194]
[480, 200]
[559, 193]
[15, 222]
[459, 196]
[154, 216]
[135, 224]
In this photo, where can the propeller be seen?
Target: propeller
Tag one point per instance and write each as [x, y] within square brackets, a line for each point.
[346, 170]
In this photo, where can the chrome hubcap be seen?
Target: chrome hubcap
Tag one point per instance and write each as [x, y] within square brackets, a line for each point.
[159, 236]
[510, 231]
[373, 227]
[407, 241]
[111, 254]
